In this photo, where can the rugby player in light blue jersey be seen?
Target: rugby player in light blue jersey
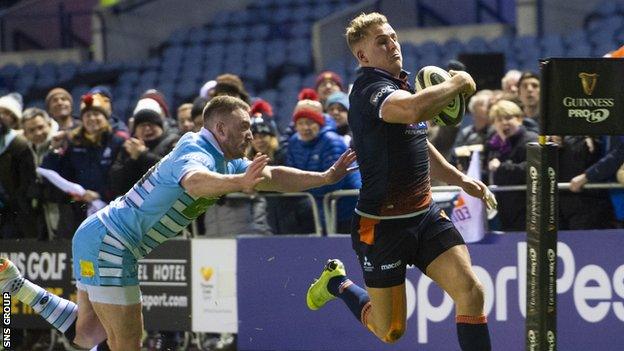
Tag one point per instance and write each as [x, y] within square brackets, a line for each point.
[202, 167]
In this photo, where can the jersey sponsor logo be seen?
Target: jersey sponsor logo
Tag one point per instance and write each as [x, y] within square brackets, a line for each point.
[367, 265]
[198, 207]
[374, 100]
[86, 269]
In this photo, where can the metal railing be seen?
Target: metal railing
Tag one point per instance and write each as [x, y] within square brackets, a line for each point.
[318, 227]
[330, 200]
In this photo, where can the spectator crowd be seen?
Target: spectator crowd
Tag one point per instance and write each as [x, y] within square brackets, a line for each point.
[106, 154]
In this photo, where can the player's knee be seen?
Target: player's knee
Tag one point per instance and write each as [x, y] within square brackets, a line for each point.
[472, 294]
[394, 334]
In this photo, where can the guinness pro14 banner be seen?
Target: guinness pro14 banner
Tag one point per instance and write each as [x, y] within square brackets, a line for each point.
[582, 96]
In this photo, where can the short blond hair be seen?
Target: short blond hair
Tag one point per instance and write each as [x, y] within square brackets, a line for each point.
[358, 27]
[504, 108]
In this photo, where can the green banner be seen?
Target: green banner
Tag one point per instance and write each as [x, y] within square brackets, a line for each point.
[541, 225]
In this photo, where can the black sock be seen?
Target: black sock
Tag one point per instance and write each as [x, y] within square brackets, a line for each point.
[473, 333]
[103, 346]
[353, 296]
[70, 333]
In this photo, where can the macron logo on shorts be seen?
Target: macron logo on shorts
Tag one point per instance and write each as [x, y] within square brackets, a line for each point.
[385, 267]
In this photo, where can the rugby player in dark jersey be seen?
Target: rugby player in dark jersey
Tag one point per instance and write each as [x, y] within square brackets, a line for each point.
[396, 222]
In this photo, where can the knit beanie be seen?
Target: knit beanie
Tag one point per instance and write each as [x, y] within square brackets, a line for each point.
[58, 91]
[328, 75]
[105, 96]
[148, 104]
[95, 102]
[147, 116]
[338, 98]
[14, 103]
[314, 115]
[159, 98]
[260, 126]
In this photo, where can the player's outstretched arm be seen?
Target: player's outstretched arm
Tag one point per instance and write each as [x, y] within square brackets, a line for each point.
[288, 179]
[445, 172]
[211, 184]
[404, 107]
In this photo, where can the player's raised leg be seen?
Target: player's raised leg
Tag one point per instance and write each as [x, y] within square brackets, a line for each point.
[387, 315]
[381, 310]
[452, 271]
[57, 311]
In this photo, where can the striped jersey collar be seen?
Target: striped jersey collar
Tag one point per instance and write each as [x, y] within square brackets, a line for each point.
[208, 136]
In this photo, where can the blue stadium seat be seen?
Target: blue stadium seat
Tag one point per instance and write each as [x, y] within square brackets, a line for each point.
[575, 38]
[301, 30]
[198, 36]
[581, 49]
[604, 30]
[303, 13]
[179, 36]
[276, 53]
[299, 53]
[269, 95]
[221, 19]
[429, 48]
[606, 8]
[281, 15]
[239, 33]
[452, 48]
[552, 46]
[477, 45]
[218, 35]
[67, 71]
[322, 10]
[503, 44]
[258, 32]
[430, 59]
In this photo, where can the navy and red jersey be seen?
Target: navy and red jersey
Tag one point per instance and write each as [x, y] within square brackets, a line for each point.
[393, 158]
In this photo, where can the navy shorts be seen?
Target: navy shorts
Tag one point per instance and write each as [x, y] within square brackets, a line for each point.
[385, 247]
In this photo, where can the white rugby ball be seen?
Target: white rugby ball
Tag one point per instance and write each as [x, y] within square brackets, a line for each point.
[453, 113]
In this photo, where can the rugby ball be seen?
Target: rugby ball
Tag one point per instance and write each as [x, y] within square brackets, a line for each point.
[453, 113]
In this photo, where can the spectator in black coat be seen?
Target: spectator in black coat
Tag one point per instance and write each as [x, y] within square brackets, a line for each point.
[506, 155]
[150, 141]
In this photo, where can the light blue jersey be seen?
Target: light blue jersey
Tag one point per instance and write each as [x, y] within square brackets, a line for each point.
[157, 207]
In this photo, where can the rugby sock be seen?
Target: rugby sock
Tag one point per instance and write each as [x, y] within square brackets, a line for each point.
[57, 311]
[473, 333]
[355, 297]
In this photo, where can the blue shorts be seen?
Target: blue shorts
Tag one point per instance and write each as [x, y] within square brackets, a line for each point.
[385, 247]
[100, 259]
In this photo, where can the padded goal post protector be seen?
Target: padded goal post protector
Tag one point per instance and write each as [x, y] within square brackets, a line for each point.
[582, 96]
[541, 225]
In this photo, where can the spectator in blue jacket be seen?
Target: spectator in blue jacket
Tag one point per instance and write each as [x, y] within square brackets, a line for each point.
[314, 147]
[87, 155]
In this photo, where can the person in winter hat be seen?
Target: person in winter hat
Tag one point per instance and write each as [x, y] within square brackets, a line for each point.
[11, 107]
[327, 83]
[337, 106]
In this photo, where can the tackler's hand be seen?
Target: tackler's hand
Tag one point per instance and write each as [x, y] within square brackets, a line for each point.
[341, 167]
